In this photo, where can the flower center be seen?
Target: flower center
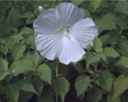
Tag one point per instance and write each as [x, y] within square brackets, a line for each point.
[64, 29]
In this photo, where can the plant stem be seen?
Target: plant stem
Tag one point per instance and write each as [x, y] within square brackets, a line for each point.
[56, 74]
[56, 69]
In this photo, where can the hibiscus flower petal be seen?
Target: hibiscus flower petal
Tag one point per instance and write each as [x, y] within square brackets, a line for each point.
[47, 22]
[70, 51]
[84, 31]
[48, 45]
[69, 13]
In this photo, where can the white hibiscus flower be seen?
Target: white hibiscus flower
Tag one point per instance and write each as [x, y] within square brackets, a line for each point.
[63, 32]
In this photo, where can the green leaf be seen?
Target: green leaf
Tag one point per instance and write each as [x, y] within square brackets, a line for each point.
[18, 51]
[3, 68]
[27, 86]
[105, 80]
[28, 35]
[122, 7]
[12, 93]
[13, 40]
[22, 66]
[26, 31]
[35, 58]
[111, 52]
[106, 22]
[77, 2]
[46, 95]
[96, 93]
[110, 98]
[120, 86]
[93, 58]
[30, 41]
[81, 85]
[3, 47]
[98, 45]
[45, 73]
[95, 4]
[13, 89]
[123, 62]
[61, 87]
[123, 47]
[9, 21]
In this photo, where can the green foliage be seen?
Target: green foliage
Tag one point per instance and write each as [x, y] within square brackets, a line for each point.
[3, 68]
[22, 66]
[122, 7]
[61, 87]
[81, 84]
[123, 62]
[45, 73]
[105, 81]
[120, 86]
[95, 4]
[93, 58]
[98, 45]
[26, 86]
[13, 94]
[110, 52]
[106, 22]
[13, 90]
[77, 2]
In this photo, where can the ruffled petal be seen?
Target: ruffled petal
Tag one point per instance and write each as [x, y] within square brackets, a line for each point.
[71, 51]
[84, 31]
[47, 22]
[69, 13]
[48, 45]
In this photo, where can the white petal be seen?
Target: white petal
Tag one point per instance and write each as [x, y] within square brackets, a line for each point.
[69, 13]
[84, 31]
[48, 45]
[46, 22]
[71, 51]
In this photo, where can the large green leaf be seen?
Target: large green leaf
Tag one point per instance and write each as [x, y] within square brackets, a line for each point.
[22, 66]
[13, 93]
[61, 87]
[95, 4]
[77, 2]
[96, 93]
[93, 58]
[122, 7]
[105, 80]
[47, 95]
[35, 58]
[112, 99]
[120, 86]
[123, 47]
[13, 89]
[26, 31]
[81, 85]
[3, 68]
[106, 22]
[45, 73]
[12, 41]
[26, 86]
[110, 52]
[9, 21]
[18, 51]
[28, 35]
[98, 45]
[123, 62]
